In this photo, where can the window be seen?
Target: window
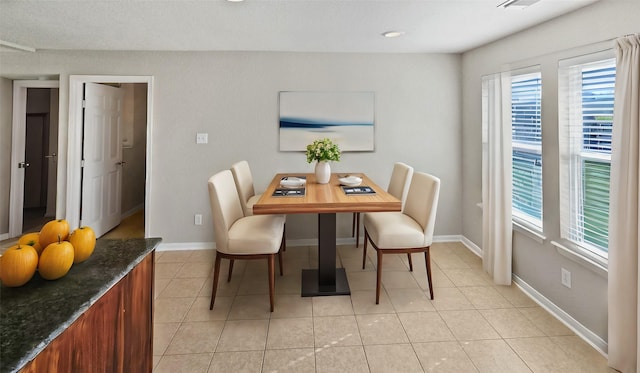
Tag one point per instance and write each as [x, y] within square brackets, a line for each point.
[526, 137]
[586, 118]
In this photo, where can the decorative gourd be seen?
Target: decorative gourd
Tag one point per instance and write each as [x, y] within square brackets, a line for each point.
[18, 265]
[83, 240]
[56, 260]
[31, 239]
[53, 231]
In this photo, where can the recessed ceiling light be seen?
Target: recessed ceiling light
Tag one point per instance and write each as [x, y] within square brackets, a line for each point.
[517, 3]
[235, 1]
[392, 34]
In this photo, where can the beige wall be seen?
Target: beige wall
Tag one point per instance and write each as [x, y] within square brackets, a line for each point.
[234, 97]
[6, 110]
[539, 264]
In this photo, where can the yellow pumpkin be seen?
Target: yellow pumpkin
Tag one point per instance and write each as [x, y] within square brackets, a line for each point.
[56, 260]
[31, 239]
[83, 240]
[54, 231]
[18, 265]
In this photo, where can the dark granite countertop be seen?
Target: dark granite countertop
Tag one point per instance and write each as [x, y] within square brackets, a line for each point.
[33, 315]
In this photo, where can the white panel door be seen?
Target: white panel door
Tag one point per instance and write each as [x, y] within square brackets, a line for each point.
[102, 156]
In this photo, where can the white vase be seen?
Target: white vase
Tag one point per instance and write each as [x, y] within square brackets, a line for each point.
[323, 172]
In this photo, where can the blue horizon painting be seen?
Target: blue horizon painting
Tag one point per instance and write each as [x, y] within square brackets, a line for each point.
[347, 118]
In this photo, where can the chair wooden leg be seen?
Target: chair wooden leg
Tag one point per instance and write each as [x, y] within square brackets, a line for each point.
[427, 259]
[353, 225]
[216, 272]
[283, 244]
[272, 280]
[379, 276]
[357, 229]
[364, 251]
[280, 262]
[230, 270]
[410, 262]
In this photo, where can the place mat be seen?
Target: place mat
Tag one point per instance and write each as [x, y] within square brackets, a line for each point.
[358, 190]
[289, 192]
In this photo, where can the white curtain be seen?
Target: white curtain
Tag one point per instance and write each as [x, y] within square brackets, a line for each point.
[624, 278]
[496, 177]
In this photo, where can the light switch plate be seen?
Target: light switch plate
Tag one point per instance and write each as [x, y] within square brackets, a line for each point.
[202, 138]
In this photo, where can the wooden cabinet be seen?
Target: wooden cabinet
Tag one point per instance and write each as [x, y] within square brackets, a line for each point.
[114, 335]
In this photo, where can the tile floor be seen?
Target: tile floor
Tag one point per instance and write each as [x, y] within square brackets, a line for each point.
[470, 326]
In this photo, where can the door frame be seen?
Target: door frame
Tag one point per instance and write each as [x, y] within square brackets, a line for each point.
[74, 160]
[18, 133]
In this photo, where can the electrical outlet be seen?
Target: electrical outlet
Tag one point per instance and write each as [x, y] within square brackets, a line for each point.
[566, 277]
[197, 219]
[202, 138]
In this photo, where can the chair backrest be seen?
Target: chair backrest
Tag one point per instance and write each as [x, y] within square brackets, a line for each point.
[400, 180]
[244, 183]
[422, 202]
[225, 206]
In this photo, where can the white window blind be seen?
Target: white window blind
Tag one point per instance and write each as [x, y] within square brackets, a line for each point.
[586, 117]
[526, 95]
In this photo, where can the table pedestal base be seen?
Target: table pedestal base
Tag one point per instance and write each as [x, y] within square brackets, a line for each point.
[312, 288]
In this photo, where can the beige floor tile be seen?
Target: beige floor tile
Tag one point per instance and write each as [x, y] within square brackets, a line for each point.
[200, 311]
[450, 299]
[162, 335]
[399, 280]
[392, 358]
[443, 357]
[354, 264]
[195, 337]
[298, 360]
[250, 307]
[226, 289]
[183, 287]
[290, 333]
[171, 309]
[364, 302]
[409, 300]
[390, 262]
[243, 335]
[202, 256]
[255, 284]
[290, 283]
[287, 306]
[159, 285]
[494, 356]
[195, 269]
[440, 280]
[177, 256]
[468, 325]
[381, 329]
[448, 260]
[425, 327]
[336, 331]
[189, 363]
[485, 297]
[332, 306]
[468, 277]
[349, 359]
[515, 296]
[542, 355]
[510, 323]
[546, 322]
[584, 358]
[364, 280]
[237, 362]
[167, 270]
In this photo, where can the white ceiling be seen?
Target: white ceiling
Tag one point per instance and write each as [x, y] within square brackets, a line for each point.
[431, 26]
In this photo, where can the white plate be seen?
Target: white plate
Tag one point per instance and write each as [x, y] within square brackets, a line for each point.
[350, 181]
[292, 182]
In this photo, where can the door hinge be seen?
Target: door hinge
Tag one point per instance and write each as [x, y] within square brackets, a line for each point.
[84, 104]
[82, 163]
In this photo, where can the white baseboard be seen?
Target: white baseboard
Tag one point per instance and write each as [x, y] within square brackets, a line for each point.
[471, 246]
[183, 246]
[587, 335]
[132, 211]
[4, 236]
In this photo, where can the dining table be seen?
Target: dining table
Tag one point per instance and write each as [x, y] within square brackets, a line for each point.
[325, 200]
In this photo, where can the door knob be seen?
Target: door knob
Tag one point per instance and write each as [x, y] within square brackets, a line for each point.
[120, 163]
[50, 156]
[23, 165]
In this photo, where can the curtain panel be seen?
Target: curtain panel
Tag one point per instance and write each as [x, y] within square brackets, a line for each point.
[623, 222]
[496, 177]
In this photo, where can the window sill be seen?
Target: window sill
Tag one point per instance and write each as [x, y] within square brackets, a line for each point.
[580, 256]
[528, 231]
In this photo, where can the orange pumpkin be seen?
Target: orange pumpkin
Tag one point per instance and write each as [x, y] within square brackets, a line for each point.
[83, 240]
[31, 239]
[54, 231]
[55, 260]
[18, 265]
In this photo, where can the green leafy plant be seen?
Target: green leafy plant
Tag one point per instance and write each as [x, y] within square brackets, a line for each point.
[323, 150]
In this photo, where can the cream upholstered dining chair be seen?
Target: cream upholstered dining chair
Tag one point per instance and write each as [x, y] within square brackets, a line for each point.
[242, 237]
[244, 183]
[398, 187]
[408, 231]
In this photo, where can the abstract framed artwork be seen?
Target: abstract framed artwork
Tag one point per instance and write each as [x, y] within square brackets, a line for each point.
[347, 118]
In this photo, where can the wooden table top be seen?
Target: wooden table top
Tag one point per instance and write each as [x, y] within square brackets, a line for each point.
[325, 198]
